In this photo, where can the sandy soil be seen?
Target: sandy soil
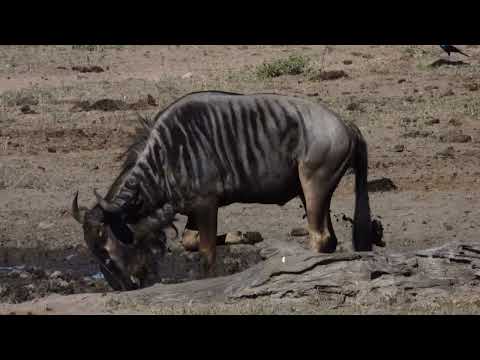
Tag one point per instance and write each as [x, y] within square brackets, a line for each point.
[421, 124]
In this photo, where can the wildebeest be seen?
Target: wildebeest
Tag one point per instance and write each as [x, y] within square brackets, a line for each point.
[211, 149]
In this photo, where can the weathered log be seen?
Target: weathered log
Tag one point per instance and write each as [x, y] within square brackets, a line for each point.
[341, 279]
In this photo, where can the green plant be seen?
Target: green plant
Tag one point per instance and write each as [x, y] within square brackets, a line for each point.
[293, 65]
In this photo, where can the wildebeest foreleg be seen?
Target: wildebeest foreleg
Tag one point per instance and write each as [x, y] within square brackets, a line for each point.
[206, 221]
[191, 235]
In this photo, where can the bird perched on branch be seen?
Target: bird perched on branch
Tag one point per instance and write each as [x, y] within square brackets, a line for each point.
[451, 49]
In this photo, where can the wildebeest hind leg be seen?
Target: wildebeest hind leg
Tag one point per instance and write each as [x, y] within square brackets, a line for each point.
[318, 188]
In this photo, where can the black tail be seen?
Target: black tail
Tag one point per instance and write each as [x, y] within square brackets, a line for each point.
[362, 226]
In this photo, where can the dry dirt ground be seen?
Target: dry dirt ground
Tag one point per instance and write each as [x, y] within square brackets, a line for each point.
[68, 112]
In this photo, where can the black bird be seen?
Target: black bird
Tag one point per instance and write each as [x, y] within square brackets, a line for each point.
[451, 49]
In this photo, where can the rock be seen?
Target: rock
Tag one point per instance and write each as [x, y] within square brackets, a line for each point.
[448, 227]
[447, 93]
[399, 148]
[45, 225]
[63, 283]
[25, 109]
[188, 75]
[348, 62]
[381, 185]
[328, 75]
[400, 81]
[417, 133]
[70, 257]
[432, 122]
[449, 152]
[151, 100]
[88, 69]
[56, 274]
[362, 55]
[299, 232]
[51, 149]
[473, 153]
[455, 137]
[354, 106]
[407, 121]
[430, 87]
[472, 87]
[252, 237]
[455, 122]
[98, 276]
[237, 237]
[27, 100]
[233, 238]
[108, 105]
[24, 275]
[446, 62]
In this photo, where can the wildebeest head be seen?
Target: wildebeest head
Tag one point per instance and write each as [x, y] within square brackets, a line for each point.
[123, 245]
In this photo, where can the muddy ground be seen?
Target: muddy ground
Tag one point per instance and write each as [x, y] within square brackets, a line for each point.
[68, 112]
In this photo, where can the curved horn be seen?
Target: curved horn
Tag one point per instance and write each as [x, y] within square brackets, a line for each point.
[105, 205]
[78, 213]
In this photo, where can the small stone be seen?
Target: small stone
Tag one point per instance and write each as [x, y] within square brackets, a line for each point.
[472, 87]
[56, 274]
[24, 275]
[381, 185]
[45, 225]
[348, 62]
[449, 152]
[70, 257]
[353, 106]
[188, 75]
[233, 238]
[252, 237]
[417, 133]
[448, 227]
[63, 283]
[399, 148]
[51, 149]
[400, 81]
[298, 232]
[151, 100]
[455, 137]
[448, 93]
[25, 109]
[455, 122]
[432, 122]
